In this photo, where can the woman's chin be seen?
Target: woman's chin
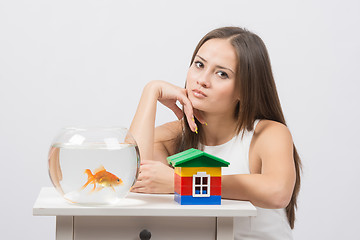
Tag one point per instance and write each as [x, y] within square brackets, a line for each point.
[199, 104]
[196, 104]
[200, 107]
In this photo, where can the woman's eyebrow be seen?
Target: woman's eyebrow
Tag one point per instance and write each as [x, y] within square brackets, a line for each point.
[218, 66]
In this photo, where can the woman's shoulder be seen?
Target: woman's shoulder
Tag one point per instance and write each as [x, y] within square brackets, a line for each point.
[265, 124]
[269, 133]
[168, 130]
[166, 134]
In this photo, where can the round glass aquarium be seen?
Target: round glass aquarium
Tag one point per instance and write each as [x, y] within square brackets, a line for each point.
[94, 165]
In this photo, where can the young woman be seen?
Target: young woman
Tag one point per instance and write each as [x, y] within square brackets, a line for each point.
[231, 110]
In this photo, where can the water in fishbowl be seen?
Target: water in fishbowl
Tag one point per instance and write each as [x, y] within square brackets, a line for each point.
[93, 173]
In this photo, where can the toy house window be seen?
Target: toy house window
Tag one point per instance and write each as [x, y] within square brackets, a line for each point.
[201, 185]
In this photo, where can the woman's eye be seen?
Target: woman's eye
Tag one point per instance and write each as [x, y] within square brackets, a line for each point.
[198, 64]
[223, 74]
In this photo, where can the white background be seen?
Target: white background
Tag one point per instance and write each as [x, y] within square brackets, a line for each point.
[65, 63]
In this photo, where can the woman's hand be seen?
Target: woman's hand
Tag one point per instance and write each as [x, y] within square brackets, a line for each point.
[169, 94]
[154, 177]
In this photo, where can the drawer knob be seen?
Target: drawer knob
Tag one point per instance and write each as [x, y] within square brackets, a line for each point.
[145, 235]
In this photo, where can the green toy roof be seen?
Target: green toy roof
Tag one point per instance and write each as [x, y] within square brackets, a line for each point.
[196, 158]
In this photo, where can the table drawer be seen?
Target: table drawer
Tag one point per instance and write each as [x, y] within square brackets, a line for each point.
[129, 228]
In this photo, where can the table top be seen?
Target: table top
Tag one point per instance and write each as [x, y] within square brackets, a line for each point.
[51, 203]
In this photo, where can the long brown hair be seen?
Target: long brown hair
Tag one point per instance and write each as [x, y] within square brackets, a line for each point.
[257, 91]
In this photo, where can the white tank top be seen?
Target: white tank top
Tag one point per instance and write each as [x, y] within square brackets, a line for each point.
[269, 224]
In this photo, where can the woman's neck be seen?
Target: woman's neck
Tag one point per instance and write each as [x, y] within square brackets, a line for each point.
[219, 129]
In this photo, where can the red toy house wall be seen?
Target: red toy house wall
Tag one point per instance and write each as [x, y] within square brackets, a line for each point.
[183, 185]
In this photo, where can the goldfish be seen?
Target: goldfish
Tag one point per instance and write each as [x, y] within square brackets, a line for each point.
[102, 178]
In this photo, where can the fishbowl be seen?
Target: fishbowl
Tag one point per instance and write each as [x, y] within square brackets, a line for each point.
[94, 166]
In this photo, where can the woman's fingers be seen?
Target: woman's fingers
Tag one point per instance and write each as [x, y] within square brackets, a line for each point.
[138, 189]
[154, 177]
[178, 112]
[146, 162]
[171, 104]
[170, 94]
[141, 185]
[188, 110]
[198, 116]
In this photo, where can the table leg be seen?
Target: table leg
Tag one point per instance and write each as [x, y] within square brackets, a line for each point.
[225, 228]
[64, 228]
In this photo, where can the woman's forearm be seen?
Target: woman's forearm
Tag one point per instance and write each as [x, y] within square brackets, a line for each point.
[143, 124]
[260, 189]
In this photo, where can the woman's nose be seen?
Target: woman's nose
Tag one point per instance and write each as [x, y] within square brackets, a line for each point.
[204, 80]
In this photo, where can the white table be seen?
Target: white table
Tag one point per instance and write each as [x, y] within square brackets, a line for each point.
[158, 213]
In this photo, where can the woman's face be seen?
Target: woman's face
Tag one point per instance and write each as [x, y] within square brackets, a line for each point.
[210, 81]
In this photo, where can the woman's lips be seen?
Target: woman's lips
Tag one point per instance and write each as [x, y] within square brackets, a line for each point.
[199, 94]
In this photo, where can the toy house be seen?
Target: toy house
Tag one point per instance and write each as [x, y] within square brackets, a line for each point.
[197, 177]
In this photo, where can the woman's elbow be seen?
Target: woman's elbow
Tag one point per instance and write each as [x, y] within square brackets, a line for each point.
[280, 199]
